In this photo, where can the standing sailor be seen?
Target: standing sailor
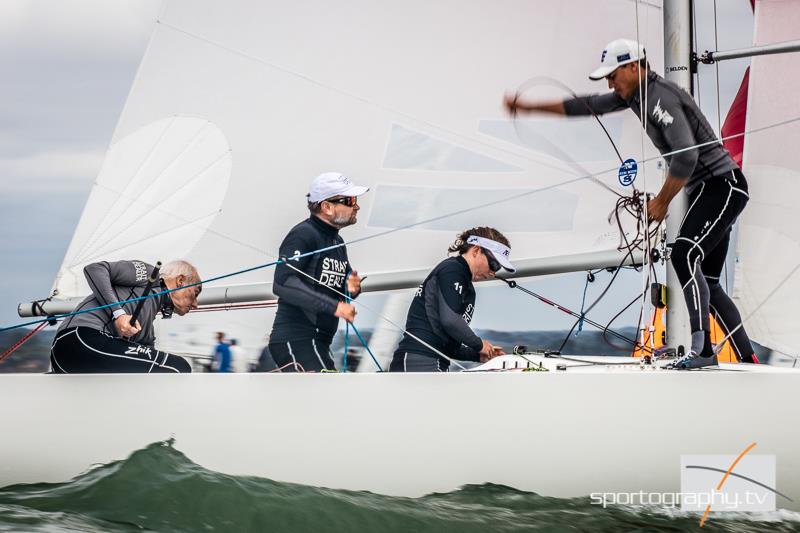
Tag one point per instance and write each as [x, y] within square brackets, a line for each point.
[308, 310]
[444, 304]
[716, 186]
[104, 340]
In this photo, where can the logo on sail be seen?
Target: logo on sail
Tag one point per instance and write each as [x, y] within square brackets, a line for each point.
[627, 172]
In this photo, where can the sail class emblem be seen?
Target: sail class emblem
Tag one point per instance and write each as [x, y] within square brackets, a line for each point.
[627, 172]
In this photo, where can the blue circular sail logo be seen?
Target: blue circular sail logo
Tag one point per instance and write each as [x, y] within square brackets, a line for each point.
[627, 172]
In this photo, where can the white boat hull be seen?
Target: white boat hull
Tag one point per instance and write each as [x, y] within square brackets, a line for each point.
[559, 434]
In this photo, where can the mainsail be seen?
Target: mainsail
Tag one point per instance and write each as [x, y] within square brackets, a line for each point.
[237, 106]
[769, 236]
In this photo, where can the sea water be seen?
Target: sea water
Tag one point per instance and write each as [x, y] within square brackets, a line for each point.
[158, 488]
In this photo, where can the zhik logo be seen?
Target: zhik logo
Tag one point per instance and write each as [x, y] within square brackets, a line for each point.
[661, 114]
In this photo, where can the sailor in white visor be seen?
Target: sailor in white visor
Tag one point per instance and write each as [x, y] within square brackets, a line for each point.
[443, 307]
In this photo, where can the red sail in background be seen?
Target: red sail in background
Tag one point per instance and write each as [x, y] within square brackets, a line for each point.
[737, 116]
[735, 121]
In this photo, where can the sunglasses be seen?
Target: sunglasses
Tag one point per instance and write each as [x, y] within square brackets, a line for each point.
[494, 265]
[349, 201]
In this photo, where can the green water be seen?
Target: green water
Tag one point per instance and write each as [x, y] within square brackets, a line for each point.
[160, 489]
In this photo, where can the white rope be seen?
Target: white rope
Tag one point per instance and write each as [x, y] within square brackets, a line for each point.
[719, 118]
[646, 266]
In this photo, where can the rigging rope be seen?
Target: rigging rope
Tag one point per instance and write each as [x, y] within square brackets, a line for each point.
[514, 285]
[719, 116]
[644, 218]
[22, 341]
[408, 226]
[635, 204]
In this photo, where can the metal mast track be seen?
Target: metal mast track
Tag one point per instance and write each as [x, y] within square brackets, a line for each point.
[677, 69]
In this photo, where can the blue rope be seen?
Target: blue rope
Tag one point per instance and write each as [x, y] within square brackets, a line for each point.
[346, 326]
[366, 346]
[53, 318]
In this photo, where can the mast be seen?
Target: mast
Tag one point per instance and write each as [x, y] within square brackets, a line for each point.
[677, 68]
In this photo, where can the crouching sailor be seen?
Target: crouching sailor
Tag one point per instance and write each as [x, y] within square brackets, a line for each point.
[309, 287]
[442, 309]
[104, 340]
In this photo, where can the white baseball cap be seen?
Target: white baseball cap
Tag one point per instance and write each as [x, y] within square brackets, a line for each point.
[615, 54]
[500, 251]
[332, 184]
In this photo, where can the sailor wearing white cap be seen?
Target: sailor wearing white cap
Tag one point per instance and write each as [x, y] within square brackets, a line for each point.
[308, 311]
[715, 184]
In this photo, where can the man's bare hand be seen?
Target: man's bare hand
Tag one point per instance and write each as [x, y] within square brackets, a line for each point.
[354, 284]
[124, 328]
[346, 311]
[657, 209]
[510, 103]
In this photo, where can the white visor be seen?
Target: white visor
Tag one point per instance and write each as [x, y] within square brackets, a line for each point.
[500, 251]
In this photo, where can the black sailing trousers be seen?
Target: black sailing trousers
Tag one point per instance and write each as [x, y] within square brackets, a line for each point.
[699, 252]
[83, 350]
[303, 355]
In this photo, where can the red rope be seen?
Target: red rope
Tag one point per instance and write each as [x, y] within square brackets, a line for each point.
[22, 341]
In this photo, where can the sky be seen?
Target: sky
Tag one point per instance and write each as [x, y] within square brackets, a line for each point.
[67, 69]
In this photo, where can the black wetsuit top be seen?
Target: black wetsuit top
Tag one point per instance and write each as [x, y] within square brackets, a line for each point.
[305, 308]
[673, 122]
[440, 314]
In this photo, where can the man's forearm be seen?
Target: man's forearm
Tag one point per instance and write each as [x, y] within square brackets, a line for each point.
[671, 187]
[657, 207]
[555, 107]
[297, 293]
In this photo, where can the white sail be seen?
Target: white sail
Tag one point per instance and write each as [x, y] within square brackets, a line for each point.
[769, 236]
[237, 106]
[404, 100]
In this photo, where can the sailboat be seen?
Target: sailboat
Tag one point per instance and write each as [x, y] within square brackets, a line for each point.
[236, 106]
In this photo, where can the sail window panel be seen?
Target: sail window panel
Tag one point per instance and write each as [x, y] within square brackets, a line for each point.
[396, 206]
[578, 139]
[408, 149]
